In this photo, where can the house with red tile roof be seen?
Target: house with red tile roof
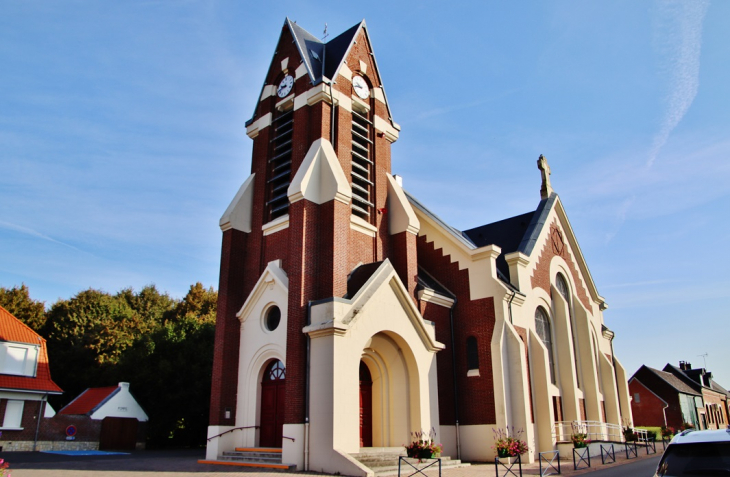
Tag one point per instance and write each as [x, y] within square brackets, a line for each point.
[25, 384]
[114, 417]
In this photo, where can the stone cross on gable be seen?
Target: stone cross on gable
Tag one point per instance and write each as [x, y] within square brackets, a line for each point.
[545, 189]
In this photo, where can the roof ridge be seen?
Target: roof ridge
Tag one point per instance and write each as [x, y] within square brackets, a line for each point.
[21, 322]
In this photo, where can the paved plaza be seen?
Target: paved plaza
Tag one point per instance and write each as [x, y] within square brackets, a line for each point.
[184, 463]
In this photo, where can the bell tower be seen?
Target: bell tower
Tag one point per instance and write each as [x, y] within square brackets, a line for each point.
[320, 201]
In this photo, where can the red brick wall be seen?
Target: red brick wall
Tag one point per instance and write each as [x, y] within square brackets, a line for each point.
[649, 411]
[444, 362]
[471, 318]
[405, 260]
[227, 330]
[87, 429]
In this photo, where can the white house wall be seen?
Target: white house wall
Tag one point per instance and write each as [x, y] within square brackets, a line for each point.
[122, 404]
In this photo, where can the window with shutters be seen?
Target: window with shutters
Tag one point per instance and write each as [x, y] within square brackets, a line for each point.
[279, 166]
[13, 414]
[18, 359]
[362, 164]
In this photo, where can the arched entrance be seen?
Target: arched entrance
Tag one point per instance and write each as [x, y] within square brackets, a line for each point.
[366, 406]
[272, 405]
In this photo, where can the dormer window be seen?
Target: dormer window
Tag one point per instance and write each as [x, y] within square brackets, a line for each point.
[18, 359]
[279, 167]
[362, 163]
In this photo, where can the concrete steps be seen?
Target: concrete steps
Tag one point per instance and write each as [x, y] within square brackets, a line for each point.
[261, 457]
[384, 461]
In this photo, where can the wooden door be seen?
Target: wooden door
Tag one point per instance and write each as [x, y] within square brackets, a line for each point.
[366, 406]
[118, 433]
[272, 405]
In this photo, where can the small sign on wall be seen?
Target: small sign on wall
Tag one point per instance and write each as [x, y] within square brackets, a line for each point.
[71, 433]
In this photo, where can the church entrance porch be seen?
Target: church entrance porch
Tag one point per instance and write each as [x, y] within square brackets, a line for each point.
[372, 373]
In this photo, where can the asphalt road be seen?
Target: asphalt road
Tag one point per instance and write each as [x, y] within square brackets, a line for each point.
[640, 468]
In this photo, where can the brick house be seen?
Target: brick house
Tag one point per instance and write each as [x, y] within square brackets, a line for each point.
[109, 418]
[350, 315]
[660, 398]
[25, 384]
[714, 413]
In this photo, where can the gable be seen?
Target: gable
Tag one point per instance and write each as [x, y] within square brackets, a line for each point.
[22, 342]
[273, 282]
[550, 235]
[379, 302]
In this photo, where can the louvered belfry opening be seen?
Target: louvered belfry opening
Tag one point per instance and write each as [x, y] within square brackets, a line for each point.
[362, 164]
[280, 164]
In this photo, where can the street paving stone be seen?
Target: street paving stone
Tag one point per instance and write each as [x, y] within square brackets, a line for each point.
[185, 464]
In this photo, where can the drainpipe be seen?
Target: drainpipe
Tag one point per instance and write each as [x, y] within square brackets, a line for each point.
[38, 424]
[456, 389]
[509, 305]
[306, 395]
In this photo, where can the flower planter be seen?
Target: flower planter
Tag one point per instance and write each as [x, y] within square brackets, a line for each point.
[425, 454]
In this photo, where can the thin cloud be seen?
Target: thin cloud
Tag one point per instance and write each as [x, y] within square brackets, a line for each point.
[458, 107]
[637, 284]
[33, 233]
[621, 214]
[679, 36]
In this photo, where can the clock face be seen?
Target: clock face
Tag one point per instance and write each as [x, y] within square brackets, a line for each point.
[360, 87]
[285, 86]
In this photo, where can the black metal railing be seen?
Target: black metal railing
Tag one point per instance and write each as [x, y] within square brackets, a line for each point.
[436, 460]
[508, 466]
[231, 430]
[608, 454]
[650, 446]
[549, 462]
[631, 450]
[584, 457]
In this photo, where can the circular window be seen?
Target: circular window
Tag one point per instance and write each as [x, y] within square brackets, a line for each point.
[273, 318]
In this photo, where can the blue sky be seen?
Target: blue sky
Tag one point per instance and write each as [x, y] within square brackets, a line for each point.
[122, 140]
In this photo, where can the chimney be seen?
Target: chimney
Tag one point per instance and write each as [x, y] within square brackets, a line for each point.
[124, 386]
[684, 366]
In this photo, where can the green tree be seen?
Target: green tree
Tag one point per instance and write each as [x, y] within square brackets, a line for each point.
[18, 302]
[200, 303]
[171, 370]
[153, 307]
[86, 337]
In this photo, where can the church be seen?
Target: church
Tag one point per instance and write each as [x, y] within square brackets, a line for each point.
[351, 316]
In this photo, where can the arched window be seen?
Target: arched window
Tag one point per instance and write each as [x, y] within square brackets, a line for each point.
[275, 371]
[542, 326]
[562, 285]
[472, 353]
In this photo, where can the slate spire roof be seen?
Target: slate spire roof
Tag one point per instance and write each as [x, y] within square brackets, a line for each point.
[324, 59]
